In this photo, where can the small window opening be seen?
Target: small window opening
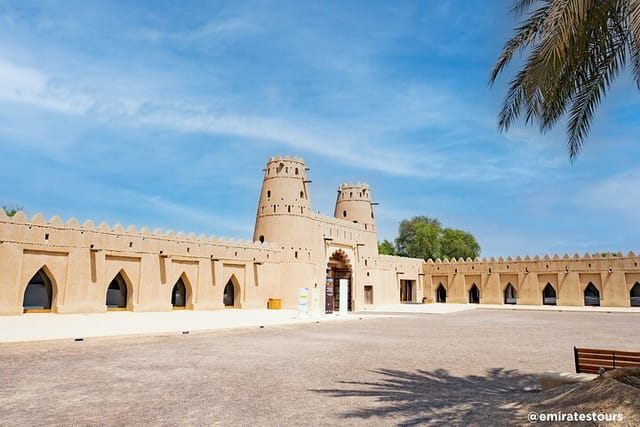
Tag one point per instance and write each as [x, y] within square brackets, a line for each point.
[295, 254]
[302, 194]
[46, 236]
[344, 213]
[268, 193]
[261, 238]
[130, 244]
[296, 171]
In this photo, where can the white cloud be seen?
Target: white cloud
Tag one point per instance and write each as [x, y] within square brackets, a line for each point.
[618, 194]
[24, 85]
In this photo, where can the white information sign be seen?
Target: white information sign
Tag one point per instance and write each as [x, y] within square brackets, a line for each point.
[344, 296]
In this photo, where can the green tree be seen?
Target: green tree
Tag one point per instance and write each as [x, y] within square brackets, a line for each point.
[386, 248]
[11, 211]
[419, 237]
[458, 244]
[424, 237]
[575, 50]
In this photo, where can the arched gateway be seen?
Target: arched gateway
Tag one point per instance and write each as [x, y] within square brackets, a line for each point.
[338, 276]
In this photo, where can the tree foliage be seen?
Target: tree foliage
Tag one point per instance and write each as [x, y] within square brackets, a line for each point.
[576, 48]
[424, 237]
[386, 248]
[11, 211]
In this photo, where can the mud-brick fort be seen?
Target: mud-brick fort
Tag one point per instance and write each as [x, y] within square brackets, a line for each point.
[68, 267]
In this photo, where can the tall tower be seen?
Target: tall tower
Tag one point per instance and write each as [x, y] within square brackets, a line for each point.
[354, 204]
[284, 207]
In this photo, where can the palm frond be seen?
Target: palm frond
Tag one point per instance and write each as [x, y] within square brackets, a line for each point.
[577, 47]
[525, 35]
[634, 33]
[608, 57]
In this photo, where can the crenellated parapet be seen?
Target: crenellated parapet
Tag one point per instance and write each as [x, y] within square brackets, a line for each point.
[55, 234]
[601, 261]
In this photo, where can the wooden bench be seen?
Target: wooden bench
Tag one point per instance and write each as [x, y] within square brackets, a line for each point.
[589, 361]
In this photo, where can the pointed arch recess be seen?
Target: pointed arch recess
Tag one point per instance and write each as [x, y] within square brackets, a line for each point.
[231, 293]
[40, 292]
[634, 295]
[510, 294]
[474, 294]
[441, 293]
[119, 292]
[182, 293]
[591, 295]
[549, 295]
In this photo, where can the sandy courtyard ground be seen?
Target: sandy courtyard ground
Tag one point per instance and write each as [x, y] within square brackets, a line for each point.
[473, 367]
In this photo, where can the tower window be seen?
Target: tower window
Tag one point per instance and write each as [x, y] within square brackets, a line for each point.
[268, 194]
[344, 214]
[297, 171]
[295, 254]
[289, 208]
[302, 194]
[261, 238]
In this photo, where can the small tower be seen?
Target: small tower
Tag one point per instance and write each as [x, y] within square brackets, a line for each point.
[284, 196]
[354, 204]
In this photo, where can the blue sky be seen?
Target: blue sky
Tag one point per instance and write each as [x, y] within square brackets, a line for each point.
[163, 114]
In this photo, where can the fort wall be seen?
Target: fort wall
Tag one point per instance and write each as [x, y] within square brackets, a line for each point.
[87, 268]
[612, 275]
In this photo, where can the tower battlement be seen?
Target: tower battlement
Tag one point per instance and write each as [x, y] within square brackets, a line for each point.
[353, 203]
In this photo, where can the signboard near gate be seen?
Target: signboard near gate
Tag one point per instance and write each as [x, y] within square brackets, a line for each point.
[303, 299]
[328, 296]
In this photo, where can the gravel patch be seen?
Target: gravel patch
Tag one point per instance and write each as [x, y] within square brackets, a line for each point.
[468, 368]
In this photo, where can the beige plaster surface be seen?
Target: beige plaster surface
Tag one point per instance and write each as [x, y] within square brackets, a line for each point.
[51, 326]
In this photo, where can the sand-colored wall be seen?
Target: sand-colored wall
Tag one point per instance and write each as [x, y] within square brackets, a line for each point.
[612, 274]
[292, 250]
[81, 261]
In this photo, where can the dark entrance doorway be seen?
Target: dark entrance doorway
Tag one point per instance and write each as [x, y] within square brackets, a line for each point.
[229, 296]
[635, 295]
[474, 295]
[441, 293]
[38, 294]
[407, 293]
[549, 295]
[368, 294]
[117, 293]
[179, 295]
[338, 268]
[510, 294]
[591, 295]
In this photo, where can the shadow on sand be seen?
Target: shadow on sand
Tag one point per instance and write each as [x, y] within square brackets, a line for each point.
[438, 398]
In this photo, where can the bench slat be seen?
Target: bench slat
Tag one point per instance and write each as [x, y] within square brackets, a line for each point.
[590, 360]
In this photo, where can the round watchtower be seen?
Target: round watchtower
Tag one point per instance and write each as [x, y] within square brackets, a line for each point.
[284, 196]
[354, 204]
